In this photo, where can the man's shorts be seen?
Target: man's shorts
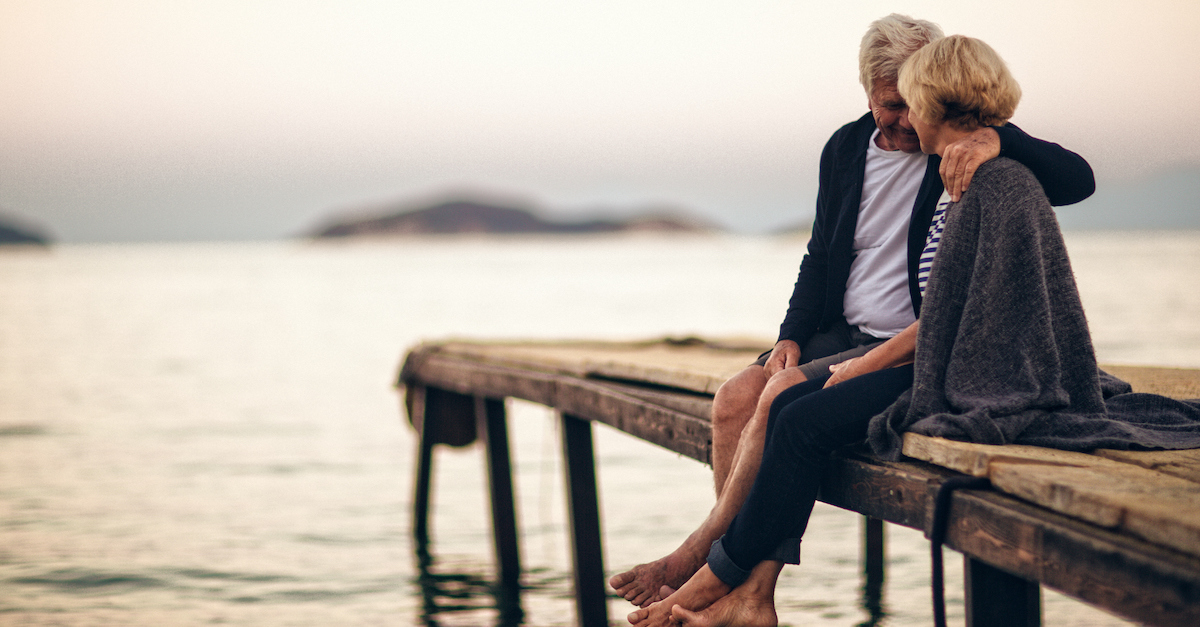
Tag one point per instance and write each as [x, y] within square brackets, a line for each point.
[838, 344]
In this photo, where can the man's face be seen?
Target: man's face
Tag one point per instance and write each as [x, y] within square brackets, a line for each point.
[891, 116]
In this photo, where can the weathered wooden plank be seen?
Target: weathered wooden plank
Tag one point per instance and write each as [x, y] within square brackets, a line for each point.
[899, 493]
[683, 434]
[1155, 506]
[467, 377]
[1129, 577]
[692, 404]
[690, 365]
[976, 459]
[586, 398]
[1132, 578]
[1183, 464]
[702, 365]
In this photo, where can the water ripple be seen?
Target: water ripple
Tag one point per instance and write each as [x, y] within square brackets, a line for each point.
[80, 580]
[17, 430]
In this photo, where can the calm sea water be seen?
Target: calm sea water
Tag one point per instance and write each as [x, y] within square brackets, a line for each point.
[208, 434]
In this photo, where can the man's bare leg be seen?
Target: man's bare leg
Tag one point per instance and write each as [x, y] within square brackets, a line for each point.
[733, 407]
[643, 584]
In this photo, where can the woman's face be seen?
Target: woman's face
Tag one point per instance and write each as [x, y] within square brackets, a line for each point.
[927, 133]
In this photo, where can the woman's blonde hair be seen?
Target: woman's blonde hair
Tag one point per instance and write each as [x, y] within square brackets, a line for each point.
[959, 81]
[888, 42]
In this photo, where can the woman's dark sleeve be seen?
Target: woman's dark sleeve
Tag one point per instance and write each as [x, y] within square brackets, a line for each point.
[1065, 176]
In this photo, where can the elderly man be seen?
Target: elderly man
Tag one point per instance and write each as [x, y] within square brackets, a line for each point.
[857, 284]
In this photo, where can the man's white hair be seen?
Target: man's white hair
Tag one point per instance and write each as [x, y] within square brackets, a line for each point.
[888, 44]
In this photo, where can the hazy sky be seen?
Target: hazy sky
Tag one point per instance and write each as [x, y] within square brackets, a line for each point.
[151, 120]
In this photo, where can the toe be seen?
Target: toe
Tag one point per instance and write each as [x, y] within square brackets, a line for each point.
[683, 616]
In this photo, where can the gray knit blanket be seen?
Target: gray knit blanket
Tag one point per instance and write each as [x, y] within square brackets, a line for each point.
[1003, 351]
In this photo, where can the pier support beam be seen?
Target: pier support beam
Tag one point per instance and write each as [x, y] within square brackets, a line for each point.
[584, 513]
[995, 598]
[874, 556]
[493, 432]
[424, 471]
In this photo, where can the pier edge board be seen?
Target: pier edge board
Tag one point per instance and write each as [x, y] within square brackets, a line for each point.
[585, 398]
[1155, 506]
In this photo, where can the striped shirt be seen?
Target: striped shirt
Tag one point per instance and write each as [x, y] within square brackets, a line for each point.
[925, 263]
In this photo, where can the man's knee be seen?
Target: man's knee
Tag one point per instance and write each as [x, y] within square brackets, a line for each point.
[737, 397]
[782, 380]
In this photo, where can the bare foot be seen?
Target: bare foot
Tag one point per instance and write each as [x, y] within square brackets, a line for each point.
[751, 604]
[656, 614]
[736, 608]
[698, 593]
[647, 583]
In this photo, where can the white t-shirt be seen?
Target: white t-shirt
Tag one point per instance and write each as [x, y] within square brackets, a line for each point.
[877, 298]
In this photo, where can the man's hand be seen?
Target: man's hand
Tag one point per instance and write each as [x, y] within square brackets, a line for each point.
[786, 354]
[963, 157]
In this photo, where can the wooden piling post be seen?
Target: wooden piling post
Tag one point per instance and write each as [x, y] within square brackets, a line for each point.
[874, 556]
[493, 432]
[584, 513]
[995, 598]
[440, 417]
[424, 471]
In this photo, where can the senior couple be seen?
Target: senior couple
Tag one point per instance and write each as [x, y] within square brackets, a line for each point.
[916, 218]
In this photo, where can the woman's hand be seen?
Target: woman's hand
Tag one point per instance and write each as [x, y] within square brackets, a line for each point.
[897, 351]
[846, 370]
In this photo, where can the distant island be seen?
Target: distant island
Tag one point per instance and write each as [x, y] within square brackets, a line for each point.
[13, 234]
[455, 217]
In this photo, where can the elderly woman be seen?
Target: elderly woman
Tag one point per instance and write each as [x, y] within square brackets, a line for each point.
[1004, 353]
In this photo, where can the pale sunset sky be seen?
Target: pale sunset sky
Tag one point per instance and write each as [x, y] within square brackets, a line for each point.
[209, 120]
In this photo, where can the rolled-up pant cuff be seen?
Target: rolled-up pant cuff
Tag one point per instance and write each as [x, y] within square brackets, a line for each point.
[787, 552]
[733, 575]
[723, 567]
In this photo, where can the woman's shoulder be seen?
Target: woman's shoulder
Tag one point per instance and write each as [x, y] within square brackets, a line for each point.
[1005, 176]
[1004, 194]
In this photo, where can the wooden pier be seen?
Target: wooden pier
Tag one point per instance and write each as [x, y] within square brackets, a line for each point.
[1117, 530]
